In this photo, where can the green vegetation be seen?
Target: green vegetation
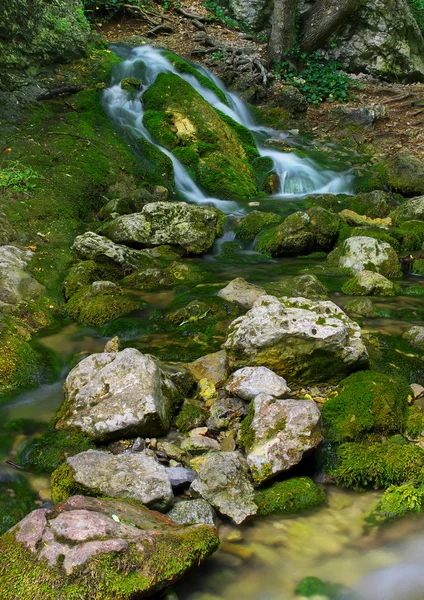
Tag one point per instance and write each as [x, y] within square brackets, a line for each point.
[191, 416]
[319, 80]
[380, 465]
[397, 502]
[255, 221]
[17, 177]
[366, 402]
[417, 7]
[45, 453]
[311, 587]
[247, 433]
[291, 496]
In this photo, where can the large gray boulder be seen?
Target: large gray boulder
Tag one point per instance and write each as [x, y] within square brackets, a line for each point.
[361, 253]
[114, 395]
[16, 285]
[297, 338]
[138, 476]
[98, 548]
[368, 283]
[90, 246]
[192, 228]
[223, 481]
[36, 32]
[382, 38]
[277, 433]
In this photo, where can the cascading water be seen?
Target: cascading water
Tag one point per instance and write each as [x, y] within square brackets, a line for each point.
[298, 176]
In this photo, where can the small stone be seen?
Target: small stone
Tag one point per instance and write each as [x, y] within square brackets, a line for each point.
[179, 476]
[193, 511]
[247, 383]
[417, 390]
[240, 292]
[199, 443]
[198, 431]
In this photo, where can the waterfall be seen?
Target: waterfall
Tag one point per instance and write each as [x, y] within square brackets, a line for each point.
[298, 176]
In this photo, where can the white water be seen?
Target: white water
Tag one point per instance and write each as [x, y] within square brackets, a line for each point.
[298, 176]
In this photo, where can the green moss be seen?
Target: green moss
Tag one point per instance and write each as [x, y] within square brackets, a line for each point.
[418, 267]
[327, 201]
[310, 587]
[378, 465]
[396, 502]
[291, 496]
[395, 357]
[125, 328]
[97, 309]
[366, 402]
[223, 147]
[255, 221]
[184, 66]
[51, 449]
[63, 485]
[83, 274]
[191, 416]
[155, 167]
[414, 422]
[247, 433]
[17, 499]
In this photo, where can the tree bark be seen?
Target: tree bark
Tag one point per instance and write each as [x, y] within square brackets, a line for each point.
[283, 33]
[323, 19]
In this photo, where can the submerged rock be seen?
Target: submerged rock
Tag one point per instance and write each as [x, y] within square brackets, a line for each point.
[224, 483]
[360, 253]
[240, 292]
[115, 395]
[193, 511]
[138, 476]
[298, 339]
[276, 433]
[192, 228]
[247, 383]
[118, 550]
[368, 283]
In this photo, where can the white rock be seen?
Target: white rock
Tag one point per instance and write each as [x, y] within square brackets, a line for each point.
[247, 383]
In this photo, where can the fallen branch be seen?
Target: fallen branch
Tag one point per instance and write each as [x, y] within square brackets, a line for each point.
[137, 11]
[188, 15]
[159, 29]
[55, 92]
[12, 464]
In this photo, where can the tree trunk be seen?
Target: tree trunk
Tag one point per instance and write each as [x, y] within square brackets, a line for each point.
[322, 20]
[283, 33]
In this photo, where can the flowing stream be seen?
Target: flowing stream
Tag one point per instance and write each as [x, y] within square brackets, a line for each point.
[265, 559]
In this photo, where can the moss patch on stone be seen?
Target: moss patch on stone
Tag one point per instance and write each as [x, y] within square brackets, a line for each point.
[291, 496]
[191, 416]
[46, 453]
[255, 221]
[366, 402]
[396, 502]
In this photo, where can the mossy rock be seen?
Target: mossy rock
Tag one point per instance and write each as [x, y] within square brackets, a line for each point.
[265, 176]
[313, 587]
[379, 465]
[306, 286]
[255, 221]
[327, 201]
[366, 402]
[125, 328]
[17, 499]
[63, 485]
[418, 267]
[191, 415]
[411, 234]
[368, 283]
[233, 253]
[395, 357]
[46, 453]
[396, 502]
[96, 307]
[288, 497]
[405, 174]
[377, 204]
[176, 115]
[414, 422]
[83, 274]
[155, 167]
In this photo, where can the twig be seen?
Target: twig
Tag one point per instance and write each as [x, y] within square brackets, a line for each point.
[9, 462]
[159, 29]
[66, 89]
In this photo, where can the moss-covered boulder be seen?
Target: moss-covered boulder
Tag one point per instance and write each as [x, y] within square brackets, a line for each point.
[82, 275]
[300, 339]
[362, 465]
[396, 502]
[415, 336]
[410, 210]
[301, 233]
[291, 496]
[40, 32]
[359, 253]
[190, 228]
[405, 174]
[255, 221]
[215, 149]
[366, 402]
[306, 286]
[377, 204]
[327, 201]
[368, 283]
[17, 499]
[94, 548]
[46, 453]
[176, 273]
[101, 302]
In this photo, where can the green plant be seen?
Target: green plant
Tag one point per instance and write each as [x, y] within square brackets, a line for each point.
[319, 80]
[417, 9]
[17, 177]
[222, 17]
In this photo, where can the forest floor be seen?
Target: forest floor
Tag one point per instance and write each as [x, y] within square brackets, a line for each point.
[401, 131]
